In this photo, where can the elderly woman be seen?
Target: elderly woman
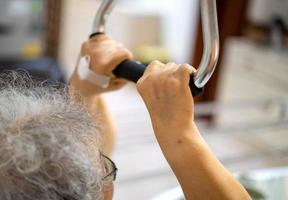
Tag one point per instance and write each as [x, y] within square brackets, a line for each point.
[53, 141]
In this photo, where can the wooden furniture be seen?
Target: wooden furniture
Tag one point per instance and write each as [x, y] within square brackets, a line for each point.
[232, 19]
[52, 27]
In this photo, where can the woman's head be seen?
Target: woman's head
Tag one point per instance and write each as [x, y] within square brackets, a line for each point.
[49, 145]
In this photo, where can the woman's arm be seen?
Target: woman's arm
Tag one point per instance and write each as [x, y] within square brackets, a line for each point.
[197, 169]
[165, 91]
[96, 105]
[105, 55]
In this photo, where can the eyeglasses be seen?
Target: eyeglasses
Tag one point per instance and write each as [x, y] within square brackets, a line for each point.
[110, 169]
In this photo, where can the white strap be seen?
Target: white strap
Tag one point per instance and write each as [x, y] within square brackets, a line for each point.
[85, 73]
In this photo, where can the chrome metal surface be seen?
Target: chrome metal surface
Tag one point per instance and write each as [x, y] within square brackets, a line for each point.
[211, 43]
[101, 16]
[210, 35]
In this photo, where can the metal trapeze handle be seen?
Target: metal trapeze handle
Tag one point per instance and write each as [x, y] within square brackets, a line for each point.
[133, 71]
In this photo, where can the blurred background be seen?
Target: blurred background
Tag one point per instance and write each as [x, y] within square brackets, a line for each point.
[242, 113]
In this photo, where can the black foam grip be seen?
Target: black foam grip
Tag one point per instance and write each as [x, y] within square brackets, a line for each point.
[130, 70]
[133, 71]
[95, 34]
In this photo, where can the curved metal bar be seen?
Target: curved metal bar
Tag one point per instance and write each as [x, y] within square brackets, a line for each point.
[101, 16]
[211, 43]
[210, 35]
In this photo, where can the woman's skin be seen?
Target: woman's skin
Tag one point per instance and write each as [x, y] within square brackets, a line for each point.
[105, 55]
[164, 89]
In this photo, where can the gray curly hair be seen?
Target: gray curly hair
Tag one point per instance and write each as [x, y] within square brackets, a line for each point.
[43, 143]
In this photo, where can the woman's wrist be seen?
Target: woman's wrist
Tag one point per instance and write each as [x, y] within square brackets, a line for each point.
[174, 140]
[84, 87]
[187, 146]
[179, 121]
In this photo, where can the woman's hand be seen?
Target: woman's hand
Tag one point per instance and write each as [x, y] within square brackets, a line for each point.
[105, 55]
[167, 95]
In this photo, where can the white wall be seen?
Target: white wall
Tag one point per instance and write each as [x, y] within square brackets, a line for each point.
[176, 26]
[262, 11]
[180, 28]
[76, 26]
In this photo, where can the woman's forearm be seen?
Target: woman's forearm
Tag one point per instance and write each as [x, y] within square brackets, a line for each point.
[98, 105]
[104, 56]
[82, 91]
[198, 171]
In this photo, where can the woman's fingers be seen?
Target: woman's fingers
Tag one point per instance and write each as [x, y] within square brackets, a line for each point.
[117, 83]
[106, 55]
[184, 73]
[155, 65]
[100, 38]
[166, 93]
[119, 55]
[165, 77]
